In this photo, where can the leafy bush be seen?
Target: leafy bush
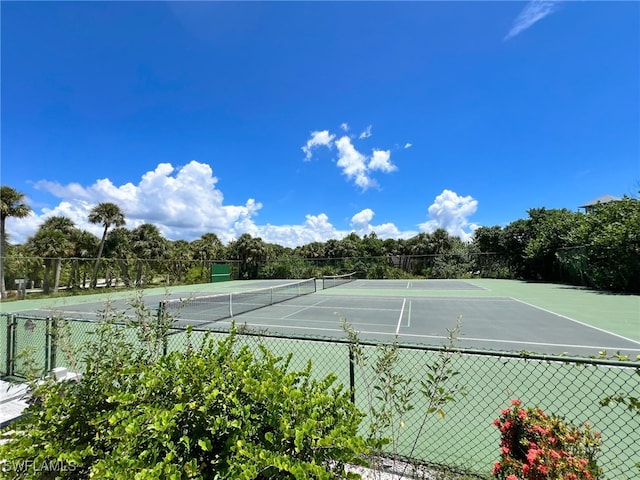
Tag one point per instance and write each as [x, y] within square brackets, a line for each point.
[537, 446]
[216, 411]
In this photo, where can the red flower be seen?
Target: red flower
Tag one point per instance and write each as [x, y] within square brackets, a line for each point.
[552, 446]
[532, 454]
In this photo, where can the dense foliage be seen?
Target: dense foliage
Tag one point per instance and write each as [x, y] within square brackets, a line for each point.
[537, 446]
[219, 410]
[599, 249]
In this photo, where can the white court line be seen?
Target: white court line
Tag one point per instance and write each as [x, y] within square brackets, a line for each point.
[602, 330]
[516, 342]
[400, 318]
[57, 314]
[313, 305]
[330, 307]
[438, 337]
[319, 323]
[409, 284]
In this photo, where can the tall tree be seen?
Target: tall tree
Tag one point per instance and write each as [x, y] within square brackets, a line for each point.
[205, 250]
[148, 244]
[65, 226]
[551, 230]
[84, 245]
[50, 245]
[11, 205]
[180, 257]
[372, 245]
[251, 252]
[106, 214]
[118, 247]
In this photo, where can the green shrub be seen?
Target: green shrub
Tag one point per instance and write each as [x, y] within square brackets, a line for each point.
[217, 411]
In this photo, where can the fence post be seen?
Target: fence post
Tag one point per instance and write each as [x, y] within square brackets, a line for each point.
[352, 374]
[54, 342]
[11, 328]
[162, 328]
[47, 346]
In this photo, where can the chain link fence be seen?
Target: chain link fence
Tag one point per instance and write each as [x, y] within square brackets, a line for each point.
[464, 439]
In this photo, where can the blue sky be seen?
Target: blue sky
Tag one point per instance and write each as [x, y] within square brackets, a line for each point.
[304, 121]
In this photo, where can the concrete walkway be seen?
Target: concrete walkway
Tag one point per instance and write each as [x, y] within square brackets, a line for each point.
[13, 401]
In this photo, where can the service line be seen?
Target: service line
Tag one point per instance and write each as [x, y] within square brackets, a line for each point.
[401, 313]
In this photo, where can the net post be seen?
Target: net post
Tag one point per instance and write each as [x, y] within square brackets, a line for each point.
[230, 304]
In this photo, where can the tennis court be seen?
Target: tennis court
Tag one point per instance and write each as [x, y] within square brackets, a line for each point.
[417, 312]
[494, 315]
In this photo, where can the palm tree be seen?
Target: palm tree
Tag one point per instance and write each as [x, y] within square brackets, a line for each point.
[251, 252]
[11, 205]
[147, 244]
[179, 260]
[50, 245]
[118, 247]
[66, 227]
[205, 250]
[84, 244]
[106, 214]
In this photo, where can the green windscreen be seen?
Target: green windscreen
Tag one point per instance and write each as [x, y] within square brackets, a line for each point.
[220, 272]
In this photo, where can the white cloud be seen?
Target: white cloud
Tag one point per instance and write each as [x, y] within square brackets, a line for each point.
[381, 160]
[183, 203]
[451, 212]
[361, 224]
[533, 12]
[362, 218]
[408, 145]
[366, 133]
[344, 126]
[353, 163]
[316, 228]
[322, 138]
[357, 167]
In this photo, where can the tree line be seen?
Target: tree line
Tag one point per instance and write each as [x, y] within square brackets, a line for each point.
[599, 249]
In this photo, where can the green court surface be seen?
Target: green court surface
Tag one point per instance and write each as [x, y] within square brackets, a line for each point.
[616, 313]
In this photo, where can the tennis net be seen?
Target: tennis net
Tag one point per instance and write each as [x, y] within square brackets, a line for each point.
[330, 281]
[211, 308]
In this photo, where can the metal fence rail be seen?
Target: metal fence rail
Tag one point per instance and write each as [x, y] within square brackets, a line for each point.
[465, 439]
